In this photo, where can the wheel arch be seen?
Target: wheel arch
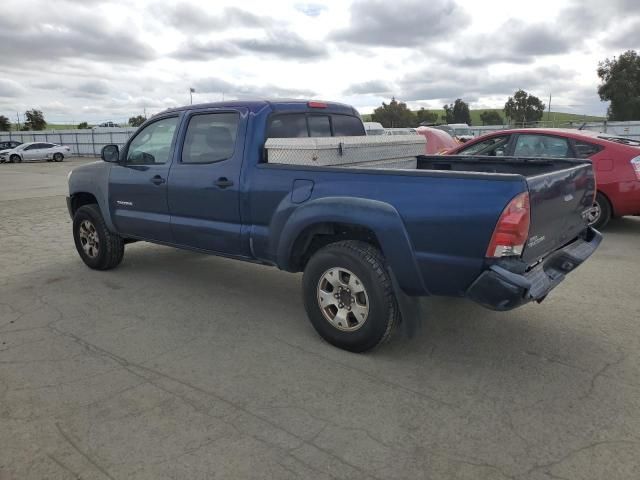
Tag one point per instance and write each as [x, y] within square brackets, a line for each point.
[79, 199]
[328, 220]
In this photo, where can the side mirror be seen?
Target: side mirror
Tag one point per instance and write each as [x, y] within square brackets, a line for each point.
[110, 153]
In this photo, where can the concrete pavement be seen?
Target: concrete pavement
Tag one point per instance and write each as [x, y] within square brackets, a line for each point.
[178, 365]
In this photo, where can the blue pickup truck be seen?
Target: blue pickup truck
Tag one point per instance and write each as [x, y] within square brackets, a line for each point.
[500, 231]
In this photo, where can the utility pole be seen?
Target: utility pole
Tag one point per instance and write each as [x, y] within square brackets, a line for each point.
[18, 117]
[549, 111]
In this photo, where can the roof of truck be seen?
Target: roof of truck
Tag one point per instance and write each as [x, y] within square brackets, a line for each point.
[276, 104]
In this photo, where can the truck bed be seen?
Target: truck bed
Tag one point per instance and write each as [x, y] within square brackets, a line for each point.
[526, 167]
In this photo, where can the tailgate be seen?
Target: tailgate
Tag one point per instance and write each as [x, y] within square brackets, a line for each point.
[559, 201]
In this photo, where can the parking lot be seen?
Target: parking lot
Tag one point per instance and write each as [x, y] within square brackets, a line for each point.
[179, 365]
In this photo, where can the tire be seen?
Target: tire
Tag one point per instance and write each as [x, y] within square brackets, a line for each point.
[15, 159]
[99, 248]
[58, 157]
[601, 212]
[351, 265]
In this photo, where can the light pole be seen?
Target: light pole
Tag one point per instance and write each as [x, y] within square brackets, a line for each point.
[191, 92]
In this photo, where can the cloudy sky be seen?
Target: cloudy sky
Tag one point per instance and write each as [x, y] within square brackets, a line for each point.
[98, 60]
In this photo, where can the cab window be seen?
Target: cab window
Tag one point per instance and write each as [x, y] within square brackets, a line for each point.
[152, 145]
[346, 126]
[319, 126]
[210, 138]
[288, 126]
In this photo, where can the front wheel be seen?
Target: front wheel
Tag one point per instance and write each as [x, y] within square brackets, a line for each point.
[99, 248]
[600, 214]
[349, 297]
[15, 159]
[58, 157]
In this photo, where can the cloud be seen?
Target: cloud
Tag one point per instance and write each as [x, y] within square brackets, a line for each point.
[49, 35]
[400, 23]
[441, 83]
[371, 87]
[311, 9]
[188, 17]
[10, 88]
[626, 37]
[280, 44]
[240, 91]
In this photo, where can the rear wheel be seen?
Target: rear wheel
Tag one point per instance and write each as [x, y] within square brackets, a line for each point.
[99, 248]
[348, 296]
[600, 214]
[58, 157]
[15, 159]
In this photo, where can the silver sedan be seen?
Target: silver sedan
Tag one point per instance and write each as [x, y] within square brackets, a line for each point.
[35, 151]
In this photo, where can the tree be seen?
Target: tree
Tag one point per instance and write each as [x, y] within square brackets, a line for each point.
[83, 126]
[34, 120]
[137, 120]
[491, 117]
[448, 114]
[461, 112]
[523, 107]
[5, 126]
[395, 114]
[426, 116]
[621, 85]
[458, 112]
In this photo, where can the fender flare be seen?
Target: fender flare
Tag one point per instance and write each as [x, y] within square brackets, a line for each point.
[94, 181]
[379, 217]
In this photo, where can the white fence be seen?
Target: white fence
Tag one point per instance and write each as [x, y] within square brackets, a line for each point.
[82, 142]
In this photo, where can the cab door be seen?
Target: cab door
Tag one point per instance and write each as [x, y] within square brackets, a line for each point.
[204, 182]
[138, 183]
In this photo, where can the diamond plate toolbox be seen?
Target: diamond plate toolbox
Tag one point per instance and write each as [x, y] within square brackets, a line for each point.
[374, 151]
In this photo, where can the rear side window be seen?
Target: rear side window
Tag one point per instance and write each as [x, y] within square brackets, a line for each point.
[542, 146]
[346, 126]
[288, 126]
[585, 150]
[210, 138]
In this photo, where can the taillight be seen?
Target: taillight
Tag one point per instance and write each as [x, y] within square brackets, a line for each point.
[635, 163]
[512, 229]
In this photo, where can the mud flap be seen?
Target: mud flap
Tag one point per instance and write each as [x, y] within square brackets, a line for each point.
[410, 310]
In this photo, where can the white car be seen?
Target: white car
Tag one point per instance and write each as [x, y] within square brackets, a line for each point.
[34, 151]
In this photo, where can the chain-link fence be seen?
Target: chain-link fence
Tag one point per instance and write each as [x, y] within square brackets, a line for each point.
[82, 142]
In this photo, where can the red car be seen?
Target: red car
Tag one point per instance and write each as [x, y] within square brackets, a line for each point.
[616, 162]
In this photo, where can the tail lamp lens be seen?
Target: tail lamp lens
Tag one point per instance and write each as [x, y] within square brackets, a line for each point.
[512, 229]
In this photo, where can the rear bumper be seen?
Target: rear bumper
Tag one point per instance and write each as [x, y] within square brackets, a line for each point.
[500, 289]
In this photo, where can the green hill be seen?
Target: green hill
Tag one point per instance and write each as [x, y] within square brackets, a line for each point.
[557, 118]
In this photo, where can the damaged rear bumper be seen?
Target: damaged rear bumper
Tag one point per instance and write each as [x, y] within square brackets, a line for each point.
[501, 289]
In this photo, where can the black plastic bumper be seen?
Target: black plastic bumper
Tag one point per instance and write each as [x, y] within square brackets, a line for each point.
[500, 289]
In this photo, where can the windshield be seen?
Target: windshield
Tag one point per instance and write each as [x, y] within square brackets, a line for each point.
[462, 132]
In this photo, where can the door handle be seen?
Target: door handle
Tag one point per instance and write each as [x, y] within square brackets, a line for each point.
[157, 180]
[223, 182]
